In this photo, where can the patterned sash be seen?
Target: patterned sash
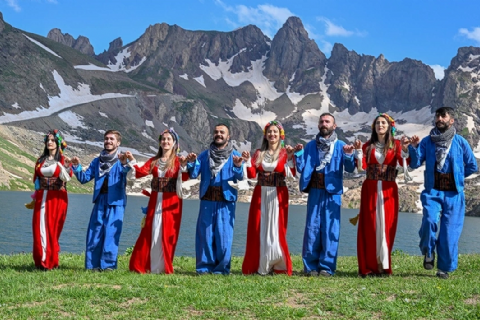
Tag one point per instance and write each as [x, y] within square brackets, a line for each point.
[53, 183]
[214, 194]
[444, 181]
[271, 179]
[164, 184]
[382, 172]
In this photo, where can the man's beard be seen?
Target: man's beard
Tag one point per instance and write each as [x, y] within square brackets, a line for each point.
[220, 144]
[113, 148]
[444, 126]
[326, 132]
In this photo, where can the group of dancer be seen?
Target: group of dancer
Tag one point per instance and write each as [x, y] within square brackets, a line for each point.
[320, 165]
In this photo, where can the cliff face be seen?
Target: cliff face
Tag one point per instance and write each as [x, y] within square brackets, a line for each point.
[295, 62]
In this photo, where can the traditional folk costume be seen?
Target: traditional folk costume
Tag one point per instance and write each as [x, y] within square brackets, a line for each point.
[110, 199]
[267, 250]
[155, 247]
[214, 234]
[379, 205]
[321, 164]
[50, 208]
[448, 161]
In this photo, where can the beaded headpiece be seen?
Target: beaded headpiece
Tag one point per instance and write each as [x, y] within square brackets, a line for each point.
[60, 142]
[390, 120]
[280, 128]
[174, 135]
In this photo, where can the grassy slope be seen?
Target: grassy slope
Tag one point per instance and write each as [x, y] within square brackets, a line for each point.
[412, 293]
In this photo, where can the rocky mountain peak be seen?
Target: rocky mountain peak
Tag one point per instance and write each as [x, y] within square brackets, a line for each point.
[464, 57]
[115, 44]
[81, 44]
[292, 53]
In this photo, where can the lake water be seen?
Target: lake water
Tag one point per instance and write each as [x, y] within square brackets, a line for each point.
[16, 227]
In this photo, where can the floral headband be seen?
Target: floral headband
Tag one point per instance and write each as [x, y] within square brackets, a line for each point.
[60, 142]
[280, 128]
[389, 119]
[174, 135]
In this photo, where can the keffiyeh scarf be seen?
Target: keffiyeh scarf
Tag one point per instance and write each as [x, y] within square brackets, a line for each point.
[218, 157]
[323, 146]
[442, 143]
[106, 162]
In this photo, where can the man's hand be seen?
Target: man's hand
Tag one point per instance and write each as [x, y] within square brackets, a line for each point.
[348, 148]
[237, 161]
[191, 157]
[75, 161]
[414, 141]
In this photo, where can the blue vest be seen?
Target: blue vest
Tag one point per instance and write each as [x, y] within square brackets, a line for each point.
[460, 157]
[117, 181]
[307, 160]
[228, 173]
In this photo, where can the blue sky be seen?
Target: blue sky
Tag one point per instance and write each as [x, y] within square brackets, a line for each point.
[426, 30]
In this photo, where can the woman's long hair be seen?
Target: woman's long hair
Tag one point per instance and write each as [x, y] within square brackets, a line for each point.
[46, 153]
[170, 163]
[389, 135]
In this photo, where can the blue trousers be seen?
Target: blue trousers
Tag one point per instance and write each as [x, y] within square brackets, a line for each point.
[214, 237]
[451, 204]
[103, 234]
[322, 231]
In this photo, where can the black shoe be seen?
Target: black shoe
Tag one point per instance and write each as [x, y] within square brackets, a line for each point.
[442, 274]
[429, 265]
[312, 273]
[325, 273]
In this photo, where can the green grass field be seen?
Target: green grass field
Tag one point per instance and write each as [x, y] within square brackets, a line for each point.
[72, 292]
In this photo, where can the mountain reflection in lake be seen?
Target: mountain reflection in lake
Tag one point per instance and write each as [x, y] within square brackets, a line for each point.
[16, 227]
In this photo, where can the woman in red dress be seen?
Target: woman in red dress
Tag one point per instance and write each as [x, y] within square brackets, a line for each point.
[267, 250]
[51, 201]
[377, 223]
[155, 247]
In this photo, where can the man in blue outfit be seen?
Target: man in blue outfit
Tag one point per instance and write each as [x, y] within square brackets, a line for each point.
[448, 161]
[321, 165]
[217, 166]
[109, 197]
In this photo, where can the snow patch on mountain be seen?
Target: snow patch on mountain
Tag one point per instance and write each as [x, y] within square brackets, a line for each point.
[72, 119]
[67, 98]
[15, 105]
[261, 117]
[120, 65]
[145, 134]
[470, 124]
[42, 46]
[200, 80]
[92, 67]
[149, 123]
[184, 76]
[265, 89]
